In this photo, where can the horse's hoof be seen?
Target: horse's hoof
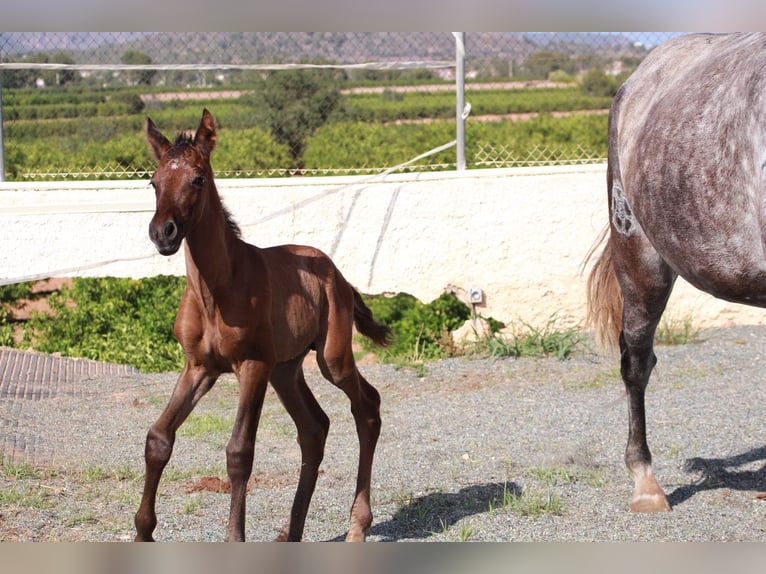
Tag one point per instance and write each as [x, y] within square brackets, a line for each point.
[650, 503]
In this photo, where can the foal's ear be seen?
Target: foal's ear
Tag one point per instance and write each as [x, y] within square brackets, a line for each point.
[158, 142]
[205, 138]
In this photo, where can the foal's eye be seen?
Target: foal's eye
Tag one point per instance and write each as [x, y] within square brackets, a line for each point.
[198, 181]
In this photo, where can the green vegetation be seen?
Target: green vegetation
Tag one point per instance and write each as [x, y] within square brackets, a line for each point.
[526, 340]
[296, 119]
[205, 425]
[674, 330]
[131, 322]
[296, 103]
[123, 321]
[421, 331]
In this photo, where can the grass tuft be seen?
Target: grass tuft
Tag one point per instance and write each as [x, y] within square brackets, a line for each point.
[527, 340]
[674, 330]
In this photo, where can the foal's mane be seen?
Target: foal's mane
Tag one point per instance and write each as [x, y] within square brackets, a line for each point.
[186, 138]
[233, 226]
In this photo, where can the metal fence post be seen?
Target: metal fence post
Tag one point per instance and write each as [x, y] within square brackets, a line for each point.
[460, 89]
[2, 139]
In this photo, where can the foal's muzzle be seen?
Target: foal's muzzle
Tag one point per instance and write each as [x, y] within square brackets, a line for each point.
[166, 236]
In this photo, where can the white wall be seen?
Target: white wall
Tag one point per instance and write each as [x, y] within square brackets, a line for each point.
[518, 234]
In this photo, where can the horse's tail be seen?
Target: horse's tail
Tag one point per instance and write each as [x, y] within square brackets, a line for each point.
[604, 296]
[366, 324]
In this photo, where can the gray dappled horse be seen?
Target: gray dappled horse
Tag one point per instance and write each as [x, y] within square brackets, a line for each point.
[687, 196]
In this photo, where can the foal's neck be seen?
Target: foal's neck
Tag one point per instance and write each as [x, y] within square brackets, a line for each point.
[209, 246]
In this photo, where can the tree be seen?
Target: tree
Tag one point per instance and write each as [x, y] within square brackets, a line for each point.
[597, 83]
[60, 77]
[136, 58]
[296, 103]
[542, 63]
[27, 78]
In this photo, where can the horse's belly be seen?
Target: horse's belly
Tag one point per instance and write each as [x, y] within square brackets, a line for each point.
[733, 275]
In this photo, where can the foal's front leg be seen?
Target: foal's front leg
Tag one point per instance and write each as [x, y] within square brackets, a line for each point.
[253, 379]
[191, 386]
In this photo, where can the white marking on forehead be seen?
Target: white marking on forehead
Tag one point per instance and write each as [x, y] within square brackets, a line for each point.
[174, 164]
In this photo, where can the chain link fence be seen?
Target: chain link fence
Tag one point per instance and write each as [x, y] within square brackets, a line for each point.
[73, 104]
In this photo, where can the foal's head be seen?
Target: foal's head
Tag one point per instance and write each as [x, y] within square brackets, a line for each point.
[182, 183]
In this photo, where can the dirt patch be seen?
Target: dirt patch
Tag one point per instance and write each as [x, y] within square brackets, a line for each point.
[213, 484]
[23, 309]
[263, 481]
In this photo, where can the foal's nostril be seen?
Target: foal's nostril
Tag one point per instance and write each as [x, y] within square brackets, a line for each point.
[170, 229]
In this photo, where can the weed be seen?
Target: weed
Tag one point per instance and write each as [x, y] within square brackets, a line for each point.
[552, 475]
[192, 504]
[83, 517]
[533, 502]
[530, 341]
[674, 330]
[418, 367]
[19, 471]
[26, 497]
[173, 474]
[206, 424]
[90, 474]
[598, 380]
[125, 473]
[507, 499]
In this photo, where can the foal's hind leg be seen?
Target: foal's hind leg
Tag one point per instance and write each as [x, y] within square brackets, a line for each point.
[338, 366]
[191, 386]
[313, 425]
[646, 282]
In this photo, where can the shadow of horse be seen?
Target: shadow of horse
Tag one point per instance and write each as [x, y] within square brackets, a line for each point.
[718, 473]
[421, 517]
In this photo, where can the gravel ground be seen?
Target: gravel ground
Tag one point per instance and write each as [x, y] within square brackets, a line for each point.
[506, 450]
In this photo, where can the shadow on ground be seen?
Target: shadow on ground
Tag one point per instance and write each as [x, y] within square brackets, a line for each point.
[720, 473]
[420, 517]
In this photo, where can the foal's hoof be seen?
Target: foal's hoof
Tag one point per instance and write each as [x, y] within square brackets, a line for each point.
[355, 537]
[650, 503]
[282, 537]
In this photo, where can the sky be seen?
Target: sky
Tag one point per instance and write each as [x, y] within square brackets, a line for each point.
[400, 15]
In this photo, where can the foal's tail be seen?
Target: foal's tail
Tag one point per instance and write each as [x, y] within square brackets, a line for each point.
[366, 324]
[604, 297]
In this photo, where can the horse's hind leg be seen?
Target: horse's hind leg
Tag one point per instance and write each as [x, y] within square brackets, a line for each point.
[338, 366]
[646, 282]
[189, 389]
[313, 425]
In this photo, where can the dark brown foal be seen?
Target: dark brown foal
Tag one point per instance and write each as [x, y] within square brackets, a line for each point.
[255, 312]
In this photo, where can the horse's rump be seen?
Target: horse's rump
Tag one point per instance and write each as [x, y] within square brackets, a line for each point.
[687, 139]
